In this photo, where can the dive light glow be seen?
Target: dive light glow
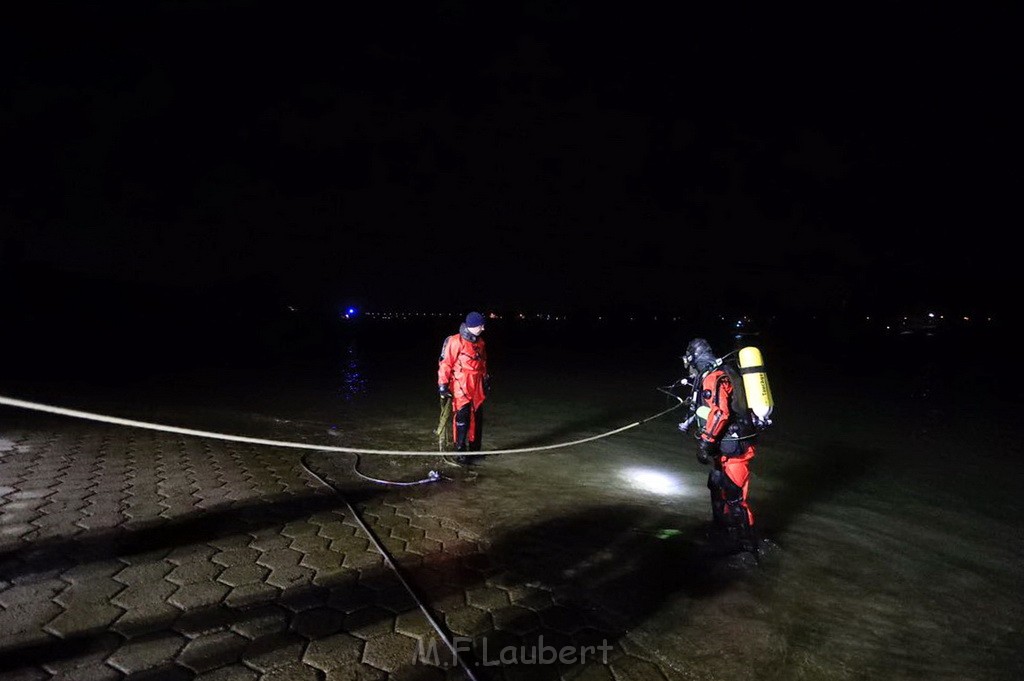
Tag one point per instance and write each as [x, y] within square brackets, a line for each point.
[653, 481]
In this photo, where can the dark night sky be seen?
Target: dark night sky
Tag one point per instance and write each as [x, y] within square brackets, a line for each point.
[542, 155]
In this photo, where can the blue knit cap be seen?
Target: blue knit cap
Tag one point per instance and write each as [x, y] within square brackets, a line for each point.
[474, 319]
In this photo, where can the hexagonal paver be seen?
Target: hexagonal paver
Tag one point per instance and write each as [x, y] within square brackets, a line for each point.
[274, 651]
[230, 543]
[91, 590]
[516, 619]
[15, 530]
[425, 522]
[147, 652]
[251, 594]
[334, 652]
[293, 671]
[377, 580]
[447, 601]
[290, 576]
[243, 574]
[487, 598]
[20, 625]
[350, 543]
[195, 623]
[25, 492]
[397, 599]
[150, 617]
[267, 541]
[192, 553]
[143, 573]
[318, 622]
[27, 594]
[390, 651]
[415, 624]
[368, 623]
[300, 529]
[309, 544]
[96, 670]
[96, 518]
[533, 599]
[262, 621]
[236, 556]
[210, 651]
[468, 621]
[392, 545]
[302, 598]
[423, 546]
[280, 558]
[84, 617]
[324, 560]
[362, 559]
[441, 534]
[326, 517]
[351, 597]
[335, 529]
[374, 513]
[55, 525]
[193, 572]
[202, 595]
[407, 533]
[140, 595]
[231, 672]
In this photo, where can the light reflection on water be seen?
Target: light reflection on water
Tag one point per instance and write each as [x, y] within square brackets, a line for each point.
[654, 481]
[352, 381]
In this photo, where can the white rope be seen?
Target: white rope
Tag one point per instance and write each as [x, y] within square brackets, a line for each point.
[74, 413]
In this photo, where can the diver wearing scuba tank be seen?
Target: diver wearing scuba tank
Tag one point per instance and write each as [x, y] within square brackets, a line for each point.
[727, 439]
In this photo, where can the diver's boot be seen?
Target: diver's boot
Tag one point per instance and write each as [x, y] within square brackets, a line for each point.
[718, 538]
[461, 459]
[461, 435]
[474, 458]
[749, 541]
[746, 537]
[718, 529]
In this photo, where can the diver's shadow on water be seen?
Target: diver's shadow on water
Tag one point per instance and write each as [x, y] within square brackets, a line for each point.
[621, 559]
[820, 474]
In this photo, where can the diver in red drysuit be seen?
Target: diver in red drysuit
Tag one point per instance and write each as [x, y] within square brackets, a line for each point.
[462, 377]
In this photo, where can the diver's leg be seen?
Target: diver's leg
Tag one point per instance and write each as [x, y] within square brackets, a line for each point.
[461, 421]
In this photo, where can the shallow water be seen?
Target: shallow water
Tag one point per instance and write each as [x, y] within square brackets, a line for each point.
[888, 486]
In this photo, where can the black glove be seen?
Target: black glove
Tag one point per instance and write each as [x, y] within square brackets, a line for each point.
[443, 391]
[487, 385]
[707, 452]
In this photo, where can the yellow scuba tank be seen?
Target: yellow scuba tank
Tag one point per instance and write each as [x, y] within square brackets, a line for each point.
[702, 413]
[755, 384]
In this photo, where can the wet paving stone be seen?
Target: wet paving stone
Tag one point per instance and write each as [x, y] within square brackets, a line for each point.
[210, 651]
[200, 560]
